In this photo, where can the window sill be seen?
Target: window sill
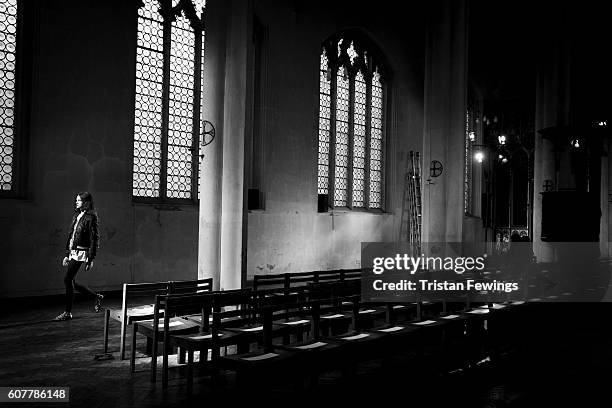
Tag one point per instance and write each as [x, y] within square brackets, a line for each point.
[15, 197]
[354, 211]
[168, 206]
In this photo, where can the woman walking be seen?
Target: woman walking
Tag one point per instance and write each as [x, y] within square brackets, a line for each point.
[81, 248]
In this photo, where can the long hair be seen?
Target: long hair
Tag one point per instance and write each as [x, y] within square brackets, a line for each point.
[88, 203]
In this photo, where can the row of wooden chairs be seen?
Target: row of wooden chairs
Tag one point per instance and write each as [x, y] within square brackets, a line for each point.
[456, 340]
[311, 323]
[325, 348]
[221, 319]
[291, 280]
[136, 304]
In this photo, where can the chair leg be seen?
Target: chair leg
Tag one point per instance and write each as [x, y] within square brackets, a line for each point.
[190, 371]
[181, 355]
[106, 319]
[165, 367]
[133, 352]
[154, 361]
[122, 346]
[149, 345]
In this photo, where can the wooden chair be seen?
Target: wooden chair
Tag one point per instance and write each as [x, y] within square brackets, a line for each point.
[254, 368]
[335, 303]
[203, 340]
[296, 321]
[151, 329]
[191, 287]
[136, 305]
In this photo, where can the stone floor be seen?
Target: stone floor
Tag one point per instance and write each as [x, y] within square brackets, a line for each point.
[567, 361]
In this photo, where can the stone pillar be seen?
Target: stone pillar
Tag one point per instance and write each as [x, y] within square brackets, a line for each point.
[604, 230]
[220, 247]
[444, 120]
[209, 241]
[235, 123]
[552, 109]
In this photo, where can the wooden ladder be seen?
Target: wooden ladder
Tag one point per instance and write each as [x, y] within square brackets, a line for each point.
[410, 221]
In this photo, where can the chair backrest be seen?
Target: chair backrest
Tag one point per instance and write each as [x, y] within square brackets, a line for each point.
[232, 304]
[184, 304]
[298, 279]
[328, 276]
[350, 274]
[150, 289]
[270, 282]
[191, 286]
[278, 300]
[292, 280]
[139, 291]
[132, 291]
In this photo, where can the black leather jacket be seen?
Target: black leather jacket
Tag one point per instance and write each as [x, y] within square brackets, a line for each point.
[86, 234]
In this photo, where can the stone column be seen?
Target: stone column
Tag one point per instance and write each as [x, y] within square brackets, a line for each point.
[220, 248]
[552, 109]
[235, 123]
[604, 228]
[444, 120]
[209, 241]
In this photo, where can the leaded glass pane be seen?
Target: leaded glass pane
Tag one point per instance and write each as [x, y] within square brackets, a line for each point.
[359, 140]
[324, 126]
[376, 144]
[342, 139]
[180, 119]
[352, 53]
[8, 46]
[148, 104]
[200, 5]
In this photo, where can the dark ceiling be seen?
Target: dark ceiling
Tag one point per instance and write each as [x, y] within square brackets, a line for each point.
[509, 40]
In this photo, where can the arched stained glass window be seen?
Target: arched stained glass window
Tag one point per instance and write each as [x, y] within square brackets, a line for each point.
[168, 106]
[8, 61]
[351, 125]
